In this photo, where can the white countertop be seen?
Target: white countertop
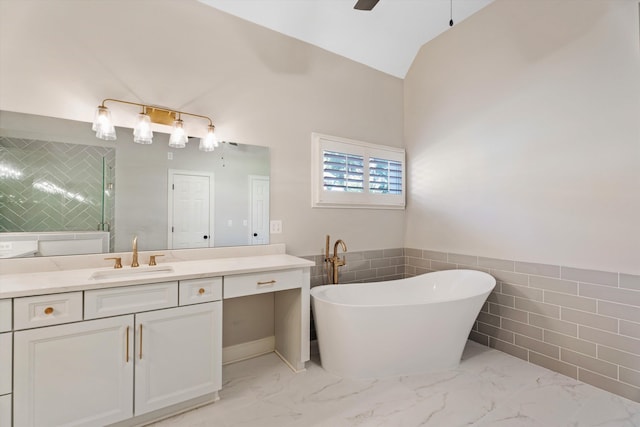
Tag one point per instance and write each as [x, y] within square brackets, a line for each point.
[28, 284]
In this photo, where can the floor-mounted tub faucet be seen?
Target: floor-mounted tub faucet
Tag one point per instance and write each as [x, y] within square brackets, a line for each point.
[335, 261]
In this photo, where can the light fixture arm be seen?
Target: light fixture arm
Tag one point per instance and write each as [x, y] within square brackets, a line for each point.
[156, 108]
[142, 133]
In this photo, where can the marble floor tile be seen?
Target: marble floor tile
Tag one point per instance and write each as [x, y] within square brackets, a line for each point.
[489, 389]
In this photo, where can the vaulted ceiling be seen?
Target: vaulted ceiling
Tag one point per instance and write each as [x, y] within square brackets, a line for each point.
[386, 38]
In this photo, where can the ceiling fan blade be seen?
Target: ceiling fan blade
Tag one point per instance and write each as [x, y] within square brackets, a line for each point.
[365, 4]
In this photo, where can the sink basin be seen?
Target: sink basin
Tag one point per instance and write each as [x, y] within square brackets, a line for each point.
[129, 272]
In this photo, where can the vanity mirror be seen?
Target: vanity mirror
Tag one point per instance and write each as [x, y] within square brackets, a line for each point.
[56, 176]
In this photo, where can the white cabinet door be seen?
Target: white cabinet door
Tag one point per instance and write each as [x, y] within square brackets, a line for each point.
[79, 374]
[5, 410]
[5, 315]
[6, 352]
[178, 355]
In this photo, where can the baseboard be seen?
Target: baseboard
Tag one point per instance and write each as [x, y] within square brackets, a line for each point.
[247, 350]
[286, 362]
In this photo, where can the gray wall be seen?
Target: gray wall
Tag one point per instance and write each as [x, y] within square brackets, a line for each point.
[523, 133]
[523, 136]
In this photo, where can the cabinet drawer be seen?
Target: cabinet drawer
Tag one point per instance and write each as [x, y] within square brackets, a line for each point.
[5, 315]
[258, 283]
[6, 352]
[45, 310]
[194, 291]
[129, 299]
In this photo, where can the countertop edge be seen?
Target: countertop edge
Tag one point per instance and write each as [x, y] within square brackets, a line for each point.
[43, 283]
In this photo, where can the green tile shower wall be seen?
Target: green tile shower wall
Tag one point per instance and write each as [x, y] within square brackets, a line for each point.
[581, 323]
[73, 167]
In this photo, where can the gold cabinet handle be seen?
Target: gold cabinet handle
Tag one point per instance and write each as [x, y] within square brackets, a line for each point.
[201, 291]
[270, 282]
[48, 310]
[140, 356]
[126, 357]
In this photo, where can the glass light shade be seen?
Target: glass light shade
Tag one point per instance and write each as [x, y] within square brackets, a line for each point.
[103, 125]
[209, 142]
[178, 138]
[142, 133]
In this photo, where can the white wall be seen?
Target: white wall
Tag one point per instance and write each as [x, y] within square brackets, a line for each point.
[60, 58]
[522, 126]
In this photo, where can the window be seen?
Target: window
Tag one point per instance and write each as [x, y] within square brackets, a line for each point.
[385, 176]
[342, 172]
[355, 174]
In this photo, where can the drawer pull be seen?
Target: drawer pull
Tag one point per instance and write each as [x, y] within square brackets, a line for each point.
[48, 310]
[270, 282]
[201, 291]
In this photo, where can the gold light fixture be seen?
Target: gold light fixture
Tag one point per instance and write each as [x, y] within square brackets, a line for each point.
[209, 142]
[142, 134]
[178, 138]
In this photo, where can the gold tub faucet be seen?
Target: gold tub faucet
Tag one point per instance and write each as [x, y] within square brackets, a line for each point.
[335, 261]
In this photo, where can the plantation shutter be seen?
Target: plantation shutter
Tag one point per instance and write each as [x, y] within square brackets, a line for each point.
[385, 176]
[342, 172]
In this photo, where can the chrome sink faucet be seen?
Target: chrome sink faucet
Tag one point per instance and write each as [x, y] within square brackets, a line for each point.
[134, 259]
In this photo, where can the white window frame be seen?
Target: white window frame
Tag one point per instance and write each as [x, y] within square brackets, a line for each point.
[338, 199]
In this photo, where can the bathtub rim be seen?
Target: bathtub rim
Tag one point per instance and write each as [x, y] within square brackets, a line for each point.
[477, 293]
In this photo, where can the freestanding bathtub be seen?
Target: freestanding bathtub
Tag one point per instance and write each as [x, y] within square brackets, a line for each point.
[399, 327]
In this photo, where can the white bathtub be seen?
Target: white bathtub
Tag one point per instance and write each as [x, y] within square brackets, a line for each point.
[399, 327]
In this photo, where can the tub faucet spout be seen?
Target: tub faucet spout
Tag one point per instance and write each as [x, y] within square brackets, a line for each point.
[335, 261]
[335, 247]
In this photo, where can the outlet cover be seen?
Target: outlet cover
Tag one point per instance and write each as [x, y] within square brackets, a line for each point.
[275, 226]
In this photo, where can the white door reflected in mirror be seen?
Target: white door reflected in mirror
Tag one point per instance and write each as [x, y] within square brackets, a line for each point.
[190, 209]
[259, 209]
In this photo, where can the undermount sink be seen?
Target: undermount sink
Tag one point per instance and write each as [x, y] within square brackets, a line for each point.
[118, 273]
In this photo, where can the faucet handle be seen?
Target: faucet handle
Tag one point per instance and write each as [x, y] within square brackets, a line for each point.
[118, 263]
[152, 259]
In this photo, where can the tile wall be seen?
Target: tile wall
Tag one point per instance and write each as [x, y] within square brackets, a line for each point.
[54, 186]
[582, 323]
[366, 266]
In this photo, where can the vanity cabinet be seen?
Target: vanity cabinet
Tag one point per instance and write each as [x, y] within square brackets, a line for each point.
[78, 374]
[76, 352]
[110, 369]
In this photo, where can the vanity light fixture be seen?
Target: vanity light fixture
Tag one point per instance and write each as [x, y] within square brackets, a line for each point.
[142, 134]
[178, 138]
[209, 142]
[103, 125]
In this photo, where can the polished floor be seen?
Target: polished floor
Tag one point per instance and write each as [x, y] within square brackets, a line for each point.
[490, 388]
